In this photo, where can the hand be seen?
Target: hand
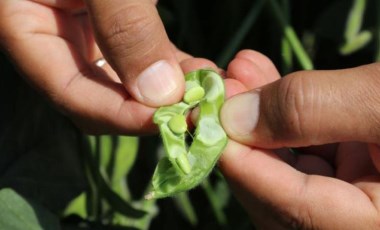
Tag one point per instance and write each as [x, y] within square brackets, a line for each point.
[333, 182]
[53, 43]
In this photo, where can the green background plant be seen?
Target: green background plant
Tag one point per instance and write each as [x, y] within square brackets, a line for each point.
[65, 178]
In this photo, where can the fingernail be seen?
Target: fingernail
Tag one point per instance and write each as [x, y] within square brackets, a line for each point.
[157, 83]
[240, 114]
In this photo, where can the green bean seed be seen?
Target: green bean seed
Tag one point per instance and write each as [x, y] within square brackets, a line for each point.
[177, 124]
[194, 94]
[183, 163]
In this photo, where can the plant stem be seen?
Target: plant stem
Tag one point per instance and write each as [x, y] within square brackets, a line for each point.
[98, 198]
[185, 205]
[355, 39]
[299, 51]
[286, 49]
[93, 192]
[355, 19]
[235, 42]
[213, 198]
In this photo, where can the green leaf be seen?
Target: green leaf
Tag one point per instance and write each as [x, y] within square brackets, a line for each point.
[184, 204]
[16, 213]
[360, 41]
[355, 19]
[215, 202]
[106, 149]
[119, 204]
[222, 192]
[125, 156]
[151, 209]
[77, 206]
[113, 199]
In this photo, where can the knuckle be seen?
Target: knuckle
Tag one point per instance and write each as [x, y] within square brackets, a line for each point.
[16, 21]
[6, 12]
[299, 215]
[370, 100]
[295, 105]
[297, 221]
[254, 55]
[128, 29]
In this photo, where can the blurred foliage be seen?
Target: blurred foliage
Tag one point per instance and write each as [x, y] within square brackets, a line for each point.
[205, 28]
[98, 182]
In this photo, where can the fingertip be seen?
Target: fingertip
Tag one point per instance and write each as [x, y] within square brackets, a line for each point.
[246, 72]
[254, 56]
[162, 83]
[240, 115]
[63, 4]
[262, 61]
[192, 64]
[233, 87]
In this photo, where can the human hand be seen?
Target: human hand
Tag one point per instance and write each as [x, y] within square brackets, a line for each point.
[53, 43]
[333, 183]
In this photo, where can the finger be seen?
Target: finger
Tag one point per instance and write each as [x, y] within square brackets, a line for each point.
[60, 70]
[264, 63]
[308, 108]
[374, 151]
[62, 4]
[133, 40]
[353, 161]
[191, 64]
[180, 55]
[253, 69]
[101, 66]
[314, 165]
[327, 152]
[277, 196]
[306, 163]
[248, 70]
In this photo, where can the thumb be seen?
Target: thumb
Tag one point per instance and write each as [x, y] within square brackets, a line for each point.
[132, 38]
[277, 196]
[308, 108]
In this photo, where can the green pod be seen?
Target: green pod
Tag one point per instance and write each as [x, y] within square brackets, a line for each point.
[184, 167]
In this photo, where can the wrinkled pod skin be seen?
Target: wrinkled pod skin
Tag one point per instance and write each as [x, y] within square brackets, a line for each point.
[184, 168]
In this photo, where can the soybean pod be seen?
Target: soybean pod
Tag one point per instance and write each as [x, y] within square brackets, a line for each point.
[185, 167]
